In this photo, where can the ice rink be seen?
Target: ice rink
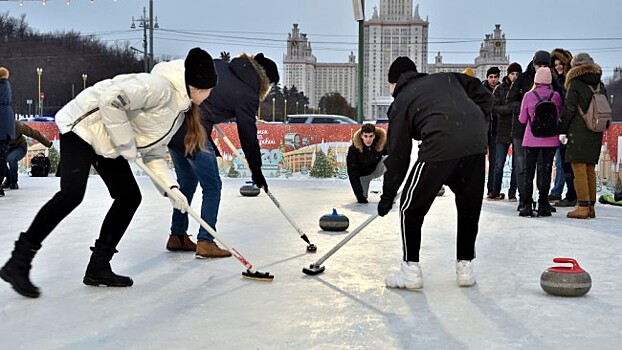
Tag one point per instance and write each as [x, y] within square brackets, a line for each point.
[179, 302]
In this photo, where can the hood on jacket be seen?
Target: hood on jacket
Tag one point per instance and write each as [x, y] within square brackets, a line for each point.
[564, 56]
[582, 72]
[238, 65]
[379, 141]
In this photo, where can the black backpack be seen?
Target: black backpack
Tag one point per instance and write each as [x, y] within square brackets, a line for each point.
[545, 119]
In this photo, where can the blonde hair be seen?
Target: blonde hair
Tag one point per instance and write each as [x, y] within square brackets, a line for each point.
[4, 73]
[195, 135]
[534, 86]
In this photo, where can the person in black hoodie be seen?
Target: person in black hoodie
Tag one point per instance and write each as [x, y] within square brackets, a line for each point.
[491, 82]
[242, 83]
[452, 152]
[521, 85]
[364, 159]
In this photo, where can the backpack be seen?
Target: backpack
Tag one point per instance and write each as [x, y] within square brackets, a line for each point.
[40, 166]
[598, 115]
[545, 120]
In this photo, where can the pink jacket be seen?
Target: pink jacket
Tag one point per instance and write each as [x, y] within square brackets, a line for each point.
[527, 108]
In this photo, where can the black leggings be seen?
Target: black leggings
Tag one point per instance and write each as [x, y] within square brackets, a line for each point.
[77, 157]
[465, 177]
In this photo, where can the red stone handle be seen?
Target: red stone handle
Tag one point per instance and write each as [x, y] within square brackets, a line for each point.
[575, 264]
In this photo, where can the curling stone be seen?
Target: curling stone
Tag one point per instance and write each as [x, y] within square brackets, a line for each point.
[441, 192]
[566, 281]
[249, 190]
[334, 222]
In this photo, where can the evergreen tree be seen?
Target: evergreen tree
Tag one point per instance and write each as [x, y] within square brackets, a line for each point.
[54, 159]
[332, 160]
[342, 173]
[233, 172]
[322, 167]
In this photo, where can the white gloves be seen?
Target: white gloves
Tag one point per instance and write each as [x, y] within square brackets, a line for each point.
[563, 139]
[178, 199]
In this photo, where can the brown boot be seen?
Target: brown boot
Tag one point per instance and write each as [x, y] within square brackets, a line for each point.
[592, 211]
[207, 249]
[180, 243]
[580, 212]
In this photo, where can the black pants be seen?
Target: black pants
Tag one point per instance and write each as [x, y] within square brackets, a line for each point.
[492, 156]
[78, 156]
[4, 151]
[540, 158]
[465, 177]
[571, 194]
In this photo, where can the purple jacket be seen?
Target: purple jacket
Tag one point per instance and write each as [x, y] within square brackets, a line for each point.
[527, 108]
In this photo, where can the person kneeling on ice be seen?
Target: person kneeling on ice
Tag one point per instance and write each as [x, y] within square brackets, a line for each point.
[106, 126]
[447, 112]
[242, 84]
[364, 159]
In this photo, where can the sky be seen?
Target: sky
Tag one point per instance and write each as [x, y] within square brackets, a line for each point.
[179, 302]
[457, 28]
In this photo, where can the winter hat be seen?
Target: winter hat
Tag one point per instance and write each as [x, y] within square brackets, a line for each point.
[4, 73]
[514, 67]
[199, 69]
[542, 58]
[469, 71]
[543, 76]
[269, 66]
[581, 59]
[401, 65]
[493, 70]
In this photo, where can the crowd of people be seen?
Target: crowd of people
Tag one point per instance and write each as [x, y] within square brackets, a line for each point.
[174, 108]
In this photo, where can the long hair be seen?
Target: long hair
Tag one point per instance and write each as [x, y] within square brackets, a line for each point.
[534, 86]
[195, 135]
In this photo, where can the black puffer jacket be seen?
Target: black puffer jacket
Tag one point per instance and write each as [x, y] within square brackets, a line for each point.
[446, 111]
[493, 117]
[362, 160]
[583, 144]
[242, 83]
[502, 110]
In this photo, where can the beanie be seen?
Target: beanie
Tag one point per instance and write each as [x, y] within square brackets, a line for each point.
[493, 70]
[199, 69]
[543, 76]
[469, 71]
[515, 67]
[4, 73]
[581, 59]
[542, 58]
[269, 67]
[401, 65]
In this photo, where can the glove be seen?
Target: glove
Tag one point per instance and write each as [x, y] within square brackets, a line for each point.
[259, 180]
[385, 205]
[563, 139]
[361, 199]
[178, 199]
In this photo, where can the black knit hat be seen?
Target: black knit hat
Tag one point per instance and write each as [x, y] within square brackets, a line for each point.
[401, 65]
[199, 69]
[493, 70]
[269, 66]
[542, 58]
[515, 67]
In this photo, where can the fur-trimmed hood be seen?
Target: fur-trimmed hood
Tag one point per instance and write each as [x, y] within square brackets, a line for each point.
[264, 82]
[564, 56]
[581, 71]
[379, 141]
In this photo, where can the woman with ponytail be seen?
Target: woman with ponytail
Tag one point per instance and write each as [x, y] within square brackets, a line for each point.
[107, 126]
[242, 83]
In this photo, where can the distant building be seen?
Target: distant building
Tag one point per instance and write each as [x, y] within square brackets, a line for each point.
[617, 73]
[316, 79]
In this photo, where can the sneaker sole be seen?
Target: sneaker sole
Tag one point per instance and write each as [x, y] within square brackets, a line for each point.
[466, 283]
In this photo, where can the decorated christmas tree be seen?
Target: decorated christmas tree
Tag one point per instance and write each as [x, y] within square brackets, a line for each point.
[332, 160]
[54, 159]
[322, 168]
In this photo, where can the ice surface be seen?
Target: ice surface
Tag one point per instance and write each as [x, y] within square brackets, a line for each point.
[178, 302]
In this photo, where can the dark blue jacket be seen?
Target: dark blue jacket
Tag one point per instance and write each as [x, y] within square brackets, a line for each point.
[7, 116]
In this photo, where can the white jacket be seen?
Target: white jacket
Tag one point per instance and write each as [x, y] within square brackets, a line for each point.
[131, 113]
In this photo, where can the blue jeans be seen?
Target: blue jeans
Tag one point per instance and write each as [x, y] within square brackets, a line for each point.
[201, 168]
[14, 156]
[501, 153]
[558, 184]
[518, 155]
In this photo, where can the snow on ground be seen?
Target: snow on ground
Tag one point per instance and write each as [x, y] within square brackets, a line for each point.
[178, 302]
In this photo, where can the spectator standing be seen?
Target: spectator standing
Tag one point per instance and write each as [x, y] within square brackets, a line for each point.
[491, 82]
[7, 120]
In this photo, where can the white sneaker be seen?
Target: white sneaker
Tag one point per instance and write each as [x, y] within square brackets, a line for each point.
[464, 273]
[408, 277]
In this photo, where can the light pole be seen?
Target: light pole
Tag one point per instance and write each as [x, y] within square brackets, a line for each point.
[296, 107]
[146, 22]
[285, 110]
[84, 76]
[304, 108]
[39, 107]
[273, 107]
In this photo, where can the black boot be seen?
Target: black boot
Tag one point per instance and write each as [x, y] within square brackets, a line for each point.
[16, 271]
[98, 272]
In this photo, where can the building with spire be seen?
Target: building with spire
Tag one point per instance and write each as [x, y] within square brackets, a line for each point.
[302, 70]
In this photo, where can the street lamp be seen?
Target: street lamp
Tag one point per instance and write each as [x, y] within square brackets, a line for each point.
[285, 110]
[39, 107]
[296, 107]
[146, 22]
[273, 107]
[84, 76]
